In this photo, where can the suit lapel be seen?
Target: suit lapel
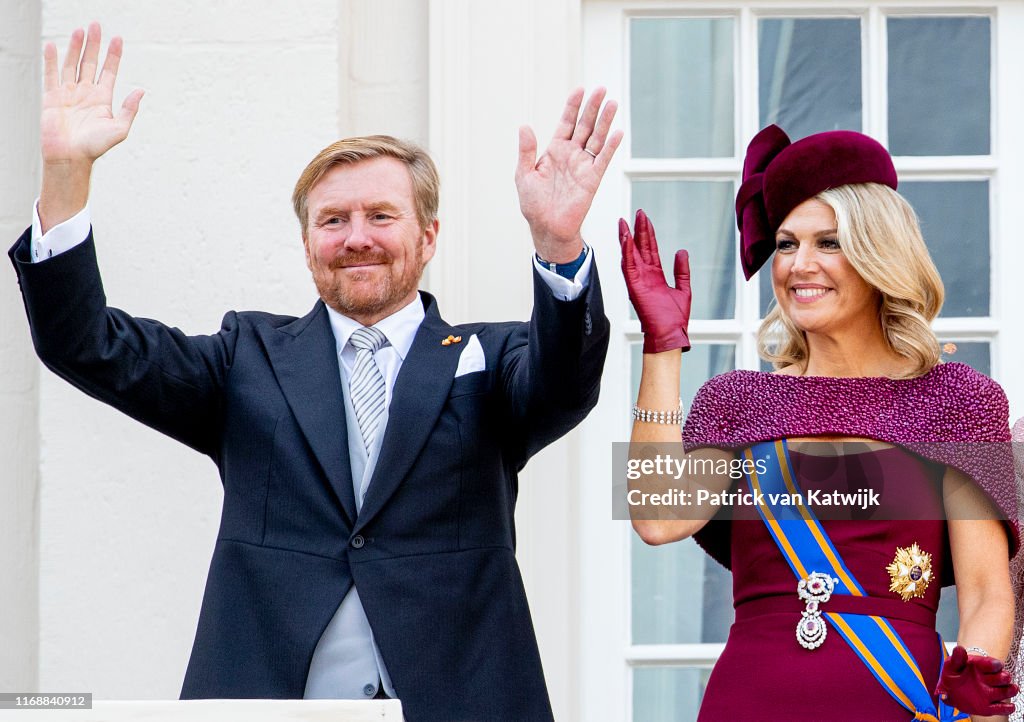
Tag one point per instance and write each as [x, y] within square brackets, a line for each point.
[420, 392]
[304, 357]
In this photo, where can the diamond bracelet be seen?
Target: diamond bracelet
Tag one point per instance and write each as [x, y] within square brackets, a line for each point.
[651, 416]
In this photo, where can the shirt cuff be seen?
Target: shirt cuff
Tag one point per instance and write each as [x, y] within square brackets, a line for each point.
[62, 237]
[565, 289]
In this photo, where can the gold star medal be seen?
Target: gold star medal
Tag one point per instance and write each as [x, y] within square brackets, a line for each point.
[910, 572]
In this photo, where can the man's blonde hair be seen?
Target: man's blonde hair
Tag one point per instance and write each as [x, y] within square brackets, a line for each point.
[426, 184]
[880, 235]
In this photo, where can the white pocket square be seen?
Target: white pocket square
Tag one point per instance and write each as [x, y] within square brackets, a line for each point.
[472, 358]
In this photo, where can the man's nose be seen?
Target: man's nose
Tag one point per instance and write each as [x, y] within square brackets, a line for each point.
[358, 238]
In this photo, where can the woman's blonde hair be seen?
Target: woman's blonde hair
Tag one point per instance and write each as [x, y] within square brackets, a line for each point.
[880, 235]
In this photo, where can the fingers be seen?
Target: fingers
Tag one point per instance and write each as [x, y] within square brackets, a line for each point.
[90, 58]
[527, 151]
[957, 661]
[604, 157]
[567, 123]
[625, 239]
[51, 77]
[111, 63]
[642, 231]
[624, 235]
[130, 108]
[585, 125]
[988, 665]
[652, 242]
[596, 140]
[70, 72]
[628, 247]
[681, 269]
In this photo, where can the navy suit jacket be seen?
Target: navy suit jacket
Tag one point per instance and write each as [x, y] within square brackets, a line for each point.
[432, 550]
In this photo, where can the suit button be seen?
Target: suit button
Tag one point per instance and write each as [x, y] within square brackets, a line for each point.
[369, 690]
[357, 542]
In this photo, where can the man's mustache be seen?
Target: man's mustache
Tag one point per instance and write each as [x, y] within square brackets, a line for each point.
[359, 259]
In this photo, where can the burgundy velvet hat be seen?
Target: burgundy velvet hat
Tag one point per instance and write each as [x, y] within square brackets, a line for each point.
[779, 175]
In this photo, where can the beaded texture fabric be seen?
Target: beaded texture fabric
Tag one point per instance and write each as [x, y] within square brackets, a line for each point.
[952, 414]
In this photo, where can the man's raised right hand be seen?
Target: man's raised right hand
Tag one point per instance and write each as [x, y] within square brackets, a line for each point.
[78, 125]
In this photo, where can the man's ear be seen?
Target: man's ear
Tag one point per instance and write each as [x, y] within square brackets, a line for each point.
[429, 239]
[305, 246]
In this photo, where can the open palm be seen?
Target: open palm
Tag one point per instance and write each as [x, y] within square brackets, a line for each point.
[77, 121]
[556, 190]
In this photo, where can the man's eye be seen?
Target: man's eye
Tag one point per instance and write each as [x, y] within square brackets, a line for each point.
[333, 221]
[381, 217]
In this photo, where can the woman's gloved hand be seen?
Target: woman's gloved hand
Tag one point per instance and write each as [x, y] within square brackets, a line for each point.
[664, 311]
[976, 684]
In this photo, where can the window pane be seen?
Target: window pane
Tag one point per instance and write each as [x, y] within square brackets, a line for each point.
[767, 295]
[976, 354]
[681, 87]
[700, 363]
[668, 694]
[955, 223]
[947, 616]
[939, 93]
[809, 75]
[697, 216]
[680, 595]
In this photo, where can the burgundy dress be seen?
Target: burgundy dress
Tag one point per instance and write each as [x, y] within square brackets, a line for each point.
[763, 673]
[780, 678]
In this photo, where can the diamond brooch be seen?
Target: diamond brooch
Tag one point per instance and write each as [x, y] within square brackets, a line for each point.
[815, 590]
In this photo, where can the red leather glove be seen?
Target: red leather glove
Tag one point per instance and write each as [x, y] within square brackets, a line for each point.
[664, 311]
[976, 684]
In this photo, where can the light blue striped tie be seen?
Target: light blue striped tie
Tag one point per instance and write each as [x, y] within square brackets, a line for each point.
[367, 383]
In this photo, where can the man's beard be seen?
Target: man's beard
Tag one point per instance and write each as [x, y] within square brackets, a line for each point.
[357, 299]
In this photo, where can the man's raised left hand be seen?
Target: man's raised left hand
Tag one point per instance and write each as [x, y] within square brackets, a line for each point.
[556, 190]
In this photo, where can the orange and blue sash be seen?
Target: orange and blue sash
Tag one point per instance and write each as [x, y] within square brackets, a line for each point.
[807, 548]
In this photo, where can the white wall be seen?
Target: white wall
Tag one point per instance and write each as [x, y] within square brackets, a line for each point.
[19, 378]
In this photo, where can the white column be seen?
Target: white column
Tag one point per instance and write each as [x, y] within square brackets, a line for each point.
[383, 68]
[493, 67]
[1008, 299]
[20, 54]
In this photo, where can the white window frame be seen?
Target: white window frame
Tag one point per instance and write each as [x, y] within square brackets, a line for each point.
[606, 655]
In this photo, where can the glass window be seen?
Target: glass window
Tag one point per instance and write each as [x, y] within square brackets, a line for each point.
[939, 78]
[955, 223]
[976, 354]
[680, 595]
[700, 363]
[809, 74]
[668, 693]
[697, 216]
[681, 87]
